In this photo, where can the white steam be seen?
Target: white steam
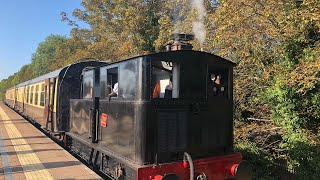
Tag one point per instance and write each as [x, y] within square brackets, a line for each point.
[199, 28]
[177, 26]
[177, 16]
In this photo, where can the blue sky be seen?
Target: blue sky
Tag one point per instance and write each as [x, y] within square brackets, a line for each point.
[25, 23]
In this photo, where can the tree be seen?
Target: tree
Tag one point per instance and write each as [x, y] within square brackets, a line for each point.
[276, 46]
[118, 29]
[45, 54]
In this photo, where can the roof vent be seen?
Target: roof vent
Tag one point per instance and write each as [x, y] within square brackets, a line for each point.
[180, 42]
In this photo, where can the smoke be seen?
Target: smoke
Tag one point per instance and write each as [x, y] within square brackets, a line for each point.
[177, 16]
[200, 31]
[177, 26]
[199, 28]
[181, 10]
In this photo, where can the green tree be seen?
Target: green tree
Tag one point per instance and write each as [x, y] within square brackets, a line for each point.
[276, 46]
[118, 29]
[45, 54]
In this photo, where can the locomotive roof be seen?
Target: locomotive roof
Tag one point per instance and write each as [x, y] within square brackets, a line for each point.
[186, 53]
[181, 54]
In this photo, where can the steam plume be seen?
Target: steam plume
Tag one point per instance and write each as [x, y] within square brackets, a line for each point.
[199, 28]
[177, 18]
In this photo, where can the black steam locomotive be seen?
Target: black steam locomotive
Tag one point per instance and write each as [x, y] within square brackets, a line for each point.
[166, 115]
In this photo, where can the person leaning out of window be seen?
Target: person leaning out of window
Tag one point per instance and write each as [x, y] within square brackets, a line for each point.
[114, 92]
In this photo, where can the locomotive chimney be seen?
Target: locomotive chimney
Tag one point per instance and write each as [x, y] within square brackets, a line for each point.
[180, 42]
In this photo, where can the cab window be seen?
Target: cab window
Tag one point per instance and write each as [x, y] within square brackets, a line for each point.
[118, 82]
[128, 80]
[112, 82]
[165, 79]
[218, 82]
[87, 85]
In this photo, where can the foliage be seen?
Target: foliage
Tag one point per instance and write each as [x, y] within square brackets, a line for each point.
[263, 167]
[276, 46]
[45, 54]
[118, 29]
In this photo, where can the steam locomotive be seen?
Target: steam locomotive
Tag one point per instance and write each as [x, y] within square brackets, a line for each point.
[166, 115]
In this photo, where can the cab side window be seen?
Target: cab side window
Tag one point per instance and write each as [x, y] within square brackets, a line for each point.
[128, 80]
[119, 81]
[112, 82]
[87, 85]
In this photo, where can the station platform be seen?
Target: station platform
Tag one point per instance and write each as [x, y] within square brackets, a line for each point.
[26, 153]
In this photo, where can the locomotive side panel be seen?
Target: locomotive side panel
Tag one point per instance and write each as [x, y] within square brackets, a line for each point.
[119, 133]
[80, 117]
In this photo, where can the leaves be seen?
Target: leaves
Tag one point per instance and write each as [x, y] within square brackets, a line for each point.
[45, 54]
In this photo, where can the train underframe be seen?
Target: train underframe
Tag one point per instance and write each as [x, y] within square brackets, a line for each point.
[117, 167]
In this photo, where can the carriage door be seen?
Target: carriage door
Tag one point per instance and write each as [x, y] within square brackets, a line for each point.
[15, 97]
[49, 91]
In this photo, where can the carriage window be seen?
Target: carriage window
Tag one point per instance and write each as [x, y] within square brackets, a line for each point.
[42, 95]
[36, 95]
[165, 79]
[112, 82]
[31, 95]
[27, 95]
[87, 85]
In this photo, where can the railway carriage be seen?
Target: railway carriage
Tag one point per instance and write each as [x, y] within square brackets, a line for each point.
[45, 99]
[166, 115]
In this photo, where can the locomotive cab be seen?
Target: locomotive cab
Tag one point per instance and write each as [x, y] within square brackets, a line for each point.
[196, 116]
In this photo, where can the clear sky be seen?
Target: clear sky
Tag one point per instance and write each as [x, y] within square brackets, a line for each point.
[25, 23]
